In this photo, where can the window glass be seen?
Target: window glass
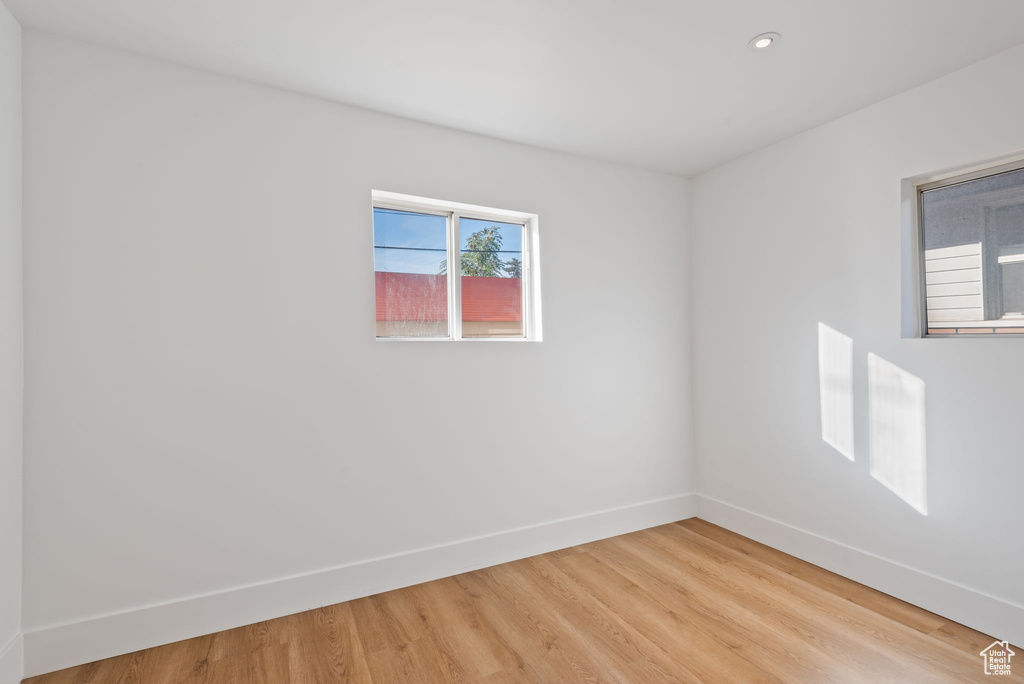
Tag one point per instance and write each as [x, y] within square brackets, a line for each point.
[974, 255]
[492, 278]
[409, 256]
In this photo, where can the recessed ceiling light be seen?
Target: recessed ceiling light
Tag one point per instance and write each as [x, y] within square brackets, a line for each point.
[760, 42]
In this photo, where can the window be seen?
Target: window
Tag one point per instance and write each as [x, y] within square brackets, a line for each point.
[972, 232]
[419, 243]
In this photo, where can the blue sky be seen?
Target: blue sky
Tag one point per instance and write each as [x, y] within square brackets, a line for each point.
[423, 237]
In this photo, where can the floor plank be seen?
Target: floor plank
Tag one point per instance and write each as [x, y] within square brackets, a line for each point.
[682, 603]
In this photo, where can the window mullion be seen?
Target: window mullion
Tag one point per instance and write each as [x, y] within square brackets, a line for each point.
[455, 279]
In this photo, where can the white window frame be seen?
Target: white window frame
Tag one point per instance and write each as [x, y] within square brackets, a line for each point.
[454, 212]
[914, 314]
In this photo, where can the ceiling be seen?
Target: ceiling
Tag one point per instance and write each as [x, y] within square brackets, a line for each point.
[662, 84]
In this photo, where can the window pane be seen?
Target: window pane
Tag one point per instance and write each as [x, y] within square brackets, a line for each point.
[492, 278]
[974, 255]
[410, 257]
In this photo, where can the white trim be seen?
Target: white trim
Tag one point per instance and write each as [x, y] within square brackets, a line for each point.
[912, 262]
[55, 647]
[531, 277]
[981, 611]
[12, 660]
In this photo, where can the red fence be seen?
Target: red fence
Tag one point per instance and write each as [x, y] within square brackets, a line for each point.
[421, 297]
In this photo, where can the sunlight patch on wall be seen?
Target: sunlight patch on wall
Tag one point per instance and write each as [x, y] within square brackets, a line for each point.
[835, 382]
[897, 422]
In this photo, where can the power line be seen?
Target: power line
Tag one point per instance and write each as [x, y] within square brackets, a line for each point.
[442, 249]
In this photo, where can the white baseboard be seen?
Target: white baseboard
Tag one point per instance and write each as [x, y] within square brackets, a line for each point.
[12, 660]
[976, 609]
[59, 646]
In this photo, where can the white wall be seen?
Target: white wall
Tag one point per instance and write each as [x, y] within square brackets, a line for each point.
[206, 404]
[808, 231]
[10, 348]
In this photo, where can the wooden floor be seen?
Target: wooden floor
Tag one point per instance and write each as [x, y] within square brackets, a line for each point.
[686, 602]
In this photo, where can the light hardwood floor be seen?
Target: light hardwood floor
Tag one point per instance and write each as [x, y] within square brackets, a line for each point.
[686, 602]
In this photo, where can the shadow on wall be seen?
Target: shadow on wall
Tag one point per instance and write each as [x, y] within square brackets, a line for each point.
[896, 418]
